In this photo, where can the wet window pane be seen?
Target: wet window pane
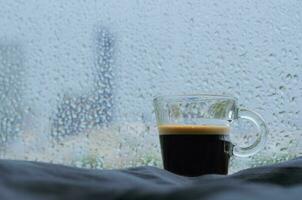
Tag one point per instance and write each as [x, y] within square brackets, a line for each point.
[77, 78]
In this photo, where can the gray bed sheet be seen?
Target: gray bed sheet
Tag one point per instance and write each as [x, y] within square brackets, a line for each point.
[34, 180]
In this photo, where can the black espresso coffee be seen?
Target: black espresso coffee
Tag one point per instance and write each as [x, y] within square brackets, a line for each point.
[194, 150]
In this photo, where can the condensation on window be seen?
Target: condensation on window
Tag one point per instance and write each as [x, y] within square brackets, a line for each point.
[77, 78]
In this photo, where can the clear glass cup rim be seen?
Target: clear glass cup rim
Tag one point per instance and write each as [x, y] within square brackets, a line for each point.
[198, 96]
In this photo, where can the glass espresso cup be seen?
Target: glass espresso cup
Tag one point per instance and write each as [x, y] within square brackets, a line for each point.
[194, 132]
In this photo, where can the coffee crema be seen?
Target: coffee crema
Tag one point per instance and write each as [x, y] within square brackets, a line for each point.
[193, 150]
[175, 129]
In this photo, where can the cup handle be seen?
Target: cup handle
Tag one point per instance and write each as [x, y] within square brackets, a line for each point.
[261, 139]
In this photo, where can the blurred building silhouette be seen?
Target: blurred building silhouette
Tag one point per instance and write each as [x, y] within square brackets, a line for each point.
[11, 109]
[75, 114]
